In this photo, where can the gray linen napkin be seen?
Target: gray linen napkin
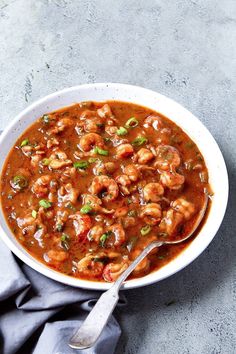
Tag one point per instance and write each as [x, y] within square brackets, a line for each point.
[39, 315]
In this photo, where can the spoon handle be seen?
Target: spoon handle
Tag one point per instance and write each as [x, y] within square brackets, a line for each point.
[90, 330]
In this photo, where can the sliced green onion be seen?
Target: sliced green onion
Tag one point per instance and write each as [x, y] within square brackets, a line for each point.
[34, 214]
[45, 162]
[121, 131]
[81, 165]
[65, 237]
[131, 123]
[46, 119]
[132, 213]
[64, 241]
[140, 140]
[45, 203]
[145, 230]
[93, 159]
[59, 227]
[70, 206]
[104, 237]
[19, 182]
[99, 151]
[10, 196]
[86, 209]
[161, 257]
[24, 142]
[162, 234]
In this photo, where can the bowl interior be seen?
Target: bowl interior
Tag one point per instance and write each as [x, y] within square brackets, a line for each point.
[188, 122]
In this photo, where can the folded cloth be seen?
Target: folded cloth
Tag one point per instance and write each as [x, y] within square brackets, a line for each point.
[39, 315]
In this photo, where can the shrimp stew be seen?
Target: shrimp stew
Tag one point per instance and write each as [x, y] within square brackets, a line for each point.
[87, 187]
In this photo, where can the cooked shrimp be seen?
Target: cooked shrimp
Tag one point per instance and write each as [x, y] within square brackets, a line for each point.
[52, 142]
[61, 125]
[41, 186]
[102, 168]
[172, 180]
[144, 156]
[119, 234]
[88, 266]
[95, 233]
[111, 129]
[61, 218]
[82, 223]
[124, 150]
[143, 266]
[68, 193]
[128, 221]
[105, 111]
[132, 172]
[123, 181]
[57, 256]
[113, 270]
[170, 221]
[35, 159]
[96, 203]
[121, 211]
[58, 159]
[104, 183]
[151, 213]
[168, 158]
[184, 207]
[88, 141]
[153, 192]
[153, 121]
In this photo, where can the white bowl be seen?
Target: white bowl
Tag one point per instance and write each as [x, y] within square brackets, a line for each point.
[181, 116]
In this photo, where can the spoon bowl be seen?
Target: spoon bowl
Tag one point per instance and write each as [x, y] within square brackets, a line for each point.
[89, 332]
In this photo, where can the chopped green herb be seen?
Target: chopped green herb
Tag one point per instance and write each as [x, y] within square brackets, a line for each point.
[121, 131]
[59, 227]
[93, 159]
[161, 257]
[34, 214]
[132, 213]
[45, 162]
[86, 209]
[131, 123]
[140, 140]
[81, 165]
[145, 230]
[19, 182]
[107, 140]
[45, 203]
[65, 237]
[162, 234]
[64, 241]
[24, 142]
[129, 201]
[70, 206]
[99, 151]
[46, 119]
[104, 237]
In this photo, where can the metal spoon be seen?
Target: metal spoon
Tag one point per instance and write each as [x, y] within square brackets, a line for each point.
[89, 332]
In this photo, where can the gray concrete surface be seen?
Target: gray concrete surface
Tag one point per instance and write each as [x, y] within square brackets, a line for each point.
[184, 49]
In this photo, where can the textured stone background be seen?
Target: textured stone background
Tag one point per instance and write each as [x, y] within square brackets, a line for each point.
[184, 49]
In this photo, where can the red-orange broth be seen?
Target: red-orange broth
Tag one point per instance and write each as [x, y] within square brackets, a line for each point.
[87, 187]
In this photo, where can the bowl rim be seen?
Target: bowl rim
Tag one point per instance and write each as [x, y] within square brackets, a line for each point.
[133, 283]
